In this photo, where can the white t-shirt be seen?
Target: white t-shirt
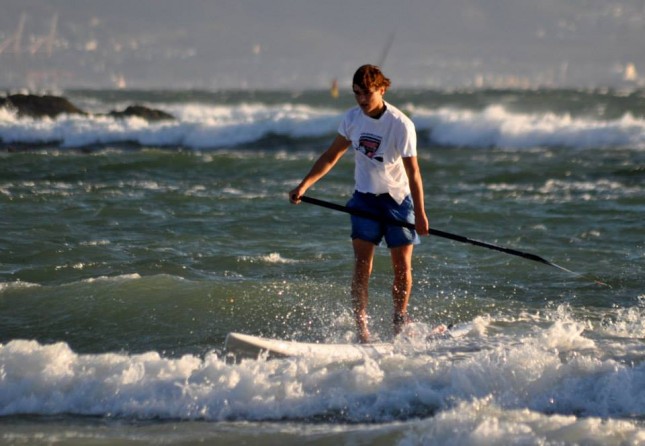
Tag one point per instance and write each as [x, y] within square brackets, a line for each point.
[379, 146]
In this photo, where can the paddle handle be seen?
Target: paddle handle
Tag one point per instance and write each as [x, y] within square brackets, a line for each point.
[438, 233]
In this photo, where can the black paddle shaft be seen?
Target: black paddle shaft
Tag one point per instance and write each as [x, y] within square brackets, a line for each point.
[435, 232]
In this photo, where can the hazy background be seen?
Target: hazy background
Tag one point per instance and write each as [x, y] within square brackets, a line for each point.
[298, 44]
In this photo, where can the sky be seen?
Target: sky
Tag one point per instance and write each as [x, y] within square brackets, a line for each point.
[305, 44]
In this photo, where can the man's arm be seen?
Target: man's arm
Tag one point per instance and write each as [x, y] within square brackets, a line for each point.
[416, 189]
[323, 164]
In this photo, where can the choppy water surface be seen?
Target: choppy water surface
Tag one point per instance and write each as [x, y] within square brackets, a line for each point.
[129, 249]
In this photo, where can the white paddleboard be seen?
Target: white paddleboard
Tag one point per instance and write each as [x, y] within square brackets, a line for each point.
[248, 346]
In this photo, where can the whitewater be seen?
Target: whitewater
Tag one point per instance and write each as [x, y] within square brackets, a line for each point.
[129, 249]
[203, 125]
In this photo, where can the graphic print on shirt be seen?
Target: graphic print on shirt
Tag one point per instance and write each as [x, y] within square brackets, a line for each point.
[369, 144]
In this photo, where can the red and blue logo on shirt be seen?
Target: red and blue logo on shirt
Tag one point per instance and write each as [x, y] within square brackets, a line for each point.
[368, 144]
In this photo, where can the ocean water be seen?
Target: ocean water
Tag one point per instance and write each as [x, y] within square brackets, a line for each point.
[128, 250]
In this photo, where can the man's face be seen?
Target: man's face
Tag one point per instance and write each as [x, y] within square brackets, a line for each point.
[370, 100]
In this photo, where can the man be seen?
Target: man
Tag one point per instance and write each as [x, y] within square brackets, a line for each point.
[388, 183]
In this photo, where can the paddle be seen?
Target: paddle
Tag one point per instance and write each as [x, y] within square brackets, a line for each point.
[438, 233]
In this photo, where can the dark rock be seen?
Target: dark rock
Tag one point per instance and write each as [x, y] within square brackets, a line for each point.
[149, 114]
[33, 106]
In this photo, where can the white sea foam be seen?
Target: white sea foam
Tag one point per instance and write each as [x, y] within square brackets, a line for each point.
[16, 285]
[493, 384]
[101, 242]
[197, 126]
[201, 126]
[497, 127]
[482, 422]
[122, 277]
[561, 190]
[273, 257]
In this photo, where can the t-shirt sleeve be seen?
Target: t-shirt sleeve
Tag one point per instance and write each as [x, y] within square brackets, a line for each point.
[343, 127]
[408, 139]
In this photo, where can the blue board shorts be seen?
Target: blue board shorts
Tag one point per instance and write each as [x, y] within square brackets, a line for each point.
[374, 231]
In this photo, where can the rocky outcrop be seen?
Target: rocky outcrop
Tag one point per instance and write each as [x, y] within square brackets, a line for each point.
[34, 106]
[149, 114]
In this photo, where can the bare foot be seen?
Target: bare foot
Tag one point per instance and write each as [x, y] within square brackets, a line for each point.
[364, 336]
[439, 329]
[399, 321]
[361, 327]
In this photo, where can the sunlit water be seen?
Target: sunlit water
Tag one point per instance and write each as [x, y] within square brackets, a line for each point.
[128, 250]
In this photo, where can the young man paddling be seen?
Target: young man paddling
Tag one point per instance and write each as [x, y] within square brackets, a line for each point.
[388, 183]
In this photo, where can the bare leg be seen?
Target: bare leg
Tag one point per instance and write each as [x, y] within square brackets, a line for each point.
[363, 258]
[402, 286]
